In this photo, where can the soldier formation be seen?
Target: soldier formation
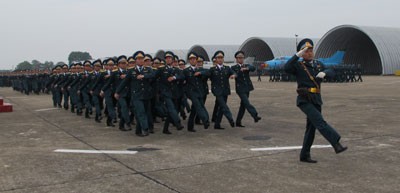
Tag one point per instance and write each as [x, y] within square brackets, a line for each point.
[342, 73]
[141, 91]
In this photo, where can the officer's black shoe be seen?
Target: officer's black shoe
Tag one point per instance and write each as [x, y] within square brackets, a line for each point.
[97, 119]
[206, 125]
[72, 109]
[87, 115]
[218, 127]
[213, 120]
[145, 133]
[339, 148]
[128, 127]
[59, 106]
[257, 118]
[66, 107]
[110, 123]
[79, 112]
[115, 120]
[151, 130]
[191, 130]
[166, 131]
[232, 123]
[308, 160]
[179, 126]
[239, 125]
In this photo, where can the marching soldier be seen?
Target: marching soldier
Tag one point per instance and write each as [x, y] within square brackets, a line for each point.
[195, 92]
[96, 83]
[219, 76]
[243, 87]
[309, 74]
[168, 76]
[114, 81]
[84, 88]
[107, 91]
[139, 79]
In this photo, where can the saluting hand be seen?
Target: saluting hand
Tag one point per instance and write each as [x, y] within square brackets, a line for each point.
[140, 77]
[301, 52]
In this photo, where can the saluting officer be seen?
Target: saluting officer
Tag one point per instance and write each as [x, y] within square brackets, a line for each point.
[309, 74]
[244, 86]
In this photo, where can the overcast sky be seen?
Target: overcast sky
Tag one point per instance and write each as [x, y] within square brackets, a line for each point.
[48, 30]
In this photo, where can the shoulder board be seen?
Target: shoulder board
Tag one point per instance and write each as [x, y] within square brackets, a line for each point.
[131, 68]
[102, 70]
[153, 68]
[115, 70]
[226, 65]
[161, 66]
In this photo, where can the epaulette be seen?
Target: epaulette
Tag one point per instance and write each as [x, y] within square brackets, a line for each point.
[102, 70]
[115, 70]
[153, 68]
[161, 66]
[131, 67]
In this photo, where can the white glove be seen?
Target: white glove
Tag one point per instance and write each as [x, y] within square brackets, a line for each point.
[321, 75]
[301, 52]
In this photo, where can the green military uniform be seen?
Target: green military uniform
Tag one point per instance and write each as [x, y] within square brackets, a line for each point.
[108, 89]
[140, 90]
[308, 74]
[220, 87]
[114, 81]
[243, 86]
[195, 91]
[166, 89]
[84, 88]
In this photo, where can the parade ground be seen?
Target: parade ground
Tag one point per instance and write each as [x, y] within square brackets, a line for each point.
[45, 149]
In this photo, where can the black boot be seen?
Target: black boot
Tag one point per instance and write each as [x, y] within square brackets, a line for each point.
[72, 109]
[308, 160]
[110, 123]
[257, 118]
[239, 124]
[339, 148]
[97, 119]
[87, 114]
[232, 123]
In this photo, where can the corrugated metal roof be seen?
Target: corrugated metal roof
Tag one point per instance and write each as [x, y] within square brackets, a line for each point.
[377, 49]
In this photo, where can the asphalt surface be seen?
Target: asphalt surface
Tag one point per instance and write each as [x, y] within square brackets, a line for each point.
[365, 114]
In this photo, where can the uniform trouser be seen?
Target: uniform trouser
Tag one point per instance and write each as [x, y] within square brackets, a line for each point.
[198, 110]
[245, 104]
[172, 113]
[86, 100]
[73, 96]
[54, 97]
[197, 119]
[66, 97]
[143, 113]
[223, 109]
[215, 110]
[124, 108]
[58, 96]
[316, 121]
[96, 99]
[110, 105]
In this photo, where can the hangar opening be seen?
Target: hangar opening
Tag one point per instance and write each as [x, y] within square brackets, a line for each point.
[360, 48]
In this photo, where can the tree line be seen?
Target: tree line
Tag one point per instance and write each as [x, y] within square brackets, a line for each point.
[37, 65]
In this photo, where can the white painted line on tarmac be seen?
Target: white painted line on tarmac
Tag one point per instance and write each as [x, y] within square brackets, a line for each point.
[288, 148]
[48, 109]
[93, 151]
[15, 97]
